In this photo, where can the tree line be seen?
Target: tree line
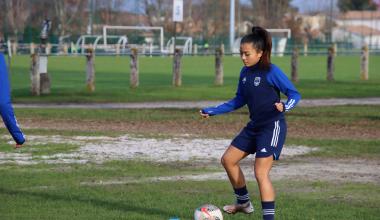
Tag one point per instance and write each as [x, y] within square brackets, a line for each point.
[206, 20]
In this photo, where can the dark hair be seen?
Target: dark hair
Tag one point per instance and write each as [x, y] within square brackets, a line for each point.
[262, 41]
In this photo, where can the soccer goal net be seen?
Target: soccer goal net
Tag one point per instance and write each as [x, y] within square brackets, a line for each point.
[183, 43]
[145, 39]
[279, 40]
[110, 45]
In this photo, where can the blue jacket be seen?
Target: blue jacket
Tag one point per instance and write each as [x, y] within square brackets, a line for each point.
[6, 109]
[259, 90]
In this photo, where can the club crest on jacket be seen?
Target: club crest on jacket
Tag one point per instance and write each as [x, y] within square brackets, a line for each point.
[257, 80]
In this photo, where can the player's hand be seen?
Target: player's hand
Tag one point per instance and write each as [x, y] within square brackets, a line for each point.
[203, 115]
[279, 106]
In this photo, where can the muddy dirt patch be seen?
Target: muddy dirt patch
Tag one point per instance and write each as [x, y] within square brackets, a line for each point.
[101, 149]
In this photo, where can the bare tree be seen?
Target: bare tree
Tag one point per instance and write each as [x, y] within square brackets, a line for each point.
[210, 20]
[294, 23]
[15, 16]
[159, 13]
[67, 11]
[108, 11]
[67, 16]
[270, 13]
[347, 5]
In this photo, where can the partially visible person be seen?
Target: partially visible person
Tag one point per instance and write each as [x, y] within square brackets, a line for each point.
[6, 109]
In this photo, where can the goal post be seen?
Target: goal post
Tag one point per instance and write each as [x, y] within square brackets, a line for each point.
[111, 27]
[279, 40]
[186, 44]
[286, 32]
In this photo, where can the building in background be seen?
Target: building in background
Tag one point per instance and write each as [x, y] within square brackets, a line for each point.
[358, 28]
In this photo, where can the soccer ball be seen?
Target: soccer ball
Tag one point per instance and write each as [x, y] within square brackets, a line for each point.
[208, 212]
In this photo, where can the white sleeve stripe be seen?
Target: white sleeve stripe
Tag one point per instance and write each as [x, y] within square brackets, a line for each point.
[290, 104]
[289, 107]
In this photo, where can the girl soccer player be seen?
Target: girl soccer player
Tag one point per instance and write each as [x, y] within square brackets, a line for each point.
[259, 87]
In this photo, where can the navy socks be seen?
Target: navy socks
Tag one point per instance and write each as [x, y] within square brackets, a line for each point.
[241, 195]
[268, 210]
[268, 207]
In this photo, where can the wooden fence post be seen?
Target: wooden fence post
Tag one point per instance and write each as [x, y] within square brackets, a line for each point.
[9, 47]
[48, 48]
[34, 75]
[305, 48]
[44, 75]
[335, 49]
[294, 65]
[32, 48]
[90, 70]
[134, 65]
[364, 63]
[219, 52]
[177, 78]
[117, 50]
[195, 49]
[65, 49]
[330, 63]
[14, 48]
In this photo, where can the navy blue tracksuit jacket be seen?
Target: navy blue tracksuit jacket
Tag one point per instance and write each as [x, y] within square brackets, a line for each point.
[6, 109]
[259, 90]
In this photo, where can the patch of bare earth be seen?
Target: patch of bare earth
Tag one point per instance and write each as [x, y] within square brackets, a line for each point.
[336, 171]
[193, 150]
[363, 130]
[207, 131]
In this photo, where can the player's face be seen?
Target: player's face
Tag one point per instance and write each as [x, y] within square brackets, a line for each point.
[249, 55]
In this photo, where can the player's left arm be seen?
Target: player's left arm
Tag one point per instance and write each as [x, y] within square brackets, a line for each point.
[279, 80]
[6, 109]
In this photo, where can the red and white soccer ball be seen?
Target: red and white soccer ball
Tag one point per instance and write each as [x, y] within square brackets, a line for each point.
[208, 212]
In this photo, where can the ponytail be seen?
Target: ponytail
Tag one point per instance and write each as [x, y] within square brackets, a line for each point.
[262, 41]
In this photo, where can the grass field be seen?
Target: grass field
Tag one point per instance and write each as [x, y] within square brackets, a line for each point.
[112, 79]
[86, 163]
[343, 182]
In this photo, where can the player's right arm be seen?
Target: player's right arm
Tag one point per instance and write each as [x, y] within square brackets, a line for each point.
[237, 102]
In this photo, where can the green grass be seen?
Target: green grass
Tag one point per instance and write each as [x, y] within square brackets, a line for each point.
[112, 79]
[326, 114]
[64, 191]
[321, 200]
[343, 148]
[113, 115]
[335, 114]
[49, 149]
[72, 132]
[55, 192]
[42, 149]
